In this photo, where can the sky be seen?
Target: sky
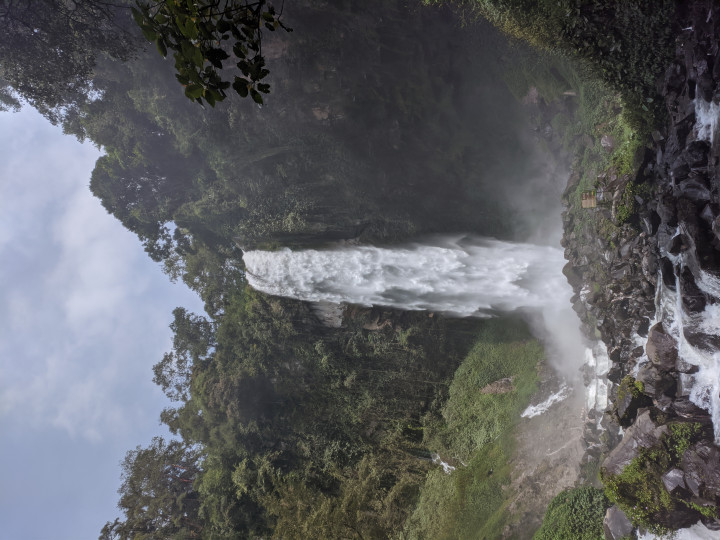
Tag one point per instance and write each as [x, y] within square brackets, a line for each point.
[84, 315]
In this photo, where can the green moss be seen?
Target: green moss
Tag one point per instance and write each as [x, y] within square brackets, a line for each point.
[629, 384]
[681, 436]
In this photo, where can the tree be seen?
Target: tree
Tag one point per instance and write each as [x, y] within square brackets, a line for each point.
[157, 493]
[195, 31]
[193, 339]
[48, 49]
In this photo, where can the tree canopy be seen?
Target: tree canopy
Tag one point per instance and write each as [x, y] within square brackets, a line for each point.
[49, 49]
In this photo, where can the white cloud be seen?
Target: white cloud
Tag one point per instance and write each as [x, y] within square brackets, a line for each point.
[84, 315]
[84, 311]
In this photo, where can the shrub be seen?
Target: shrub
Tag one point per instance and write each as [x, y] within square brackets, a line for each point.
[575, 514]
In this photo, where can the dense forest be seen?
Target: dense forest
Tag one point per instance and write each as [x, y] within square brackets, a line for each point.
[383, 121]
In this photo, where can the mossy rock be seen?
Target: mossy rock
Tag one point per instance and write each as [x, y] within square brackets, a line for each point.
[630, 398]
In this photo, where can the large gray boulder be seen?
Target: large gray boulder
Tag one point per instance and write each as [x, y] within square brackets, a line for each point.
[661, 348]
[644, 433]
[616, 524]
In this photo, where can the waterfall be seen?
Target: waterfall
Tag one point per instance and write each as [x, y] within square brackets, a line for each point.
[461, 276]
[457, 275]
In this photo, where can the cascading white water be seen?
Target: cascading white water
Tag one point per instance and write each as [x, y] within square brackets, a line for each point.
[463, 276]
[460, 275]
[702, 386]
[706, 114]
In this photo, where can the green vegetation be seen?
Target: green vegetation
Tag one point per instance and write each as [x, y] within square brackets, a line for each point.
[476, 429]
[195, 31]
[628, 385]
[639, 491]
[575, 514]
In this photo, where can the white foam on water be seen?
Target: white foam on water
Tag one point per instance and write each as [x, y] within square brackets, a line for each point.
[696, 532]
[462, 276]
[706, 120]
[557, 397]
[447, 468]
[705, 384]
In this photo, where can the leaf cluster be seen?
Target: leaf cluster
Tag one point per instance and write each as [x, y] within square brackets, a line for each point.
[201, 34]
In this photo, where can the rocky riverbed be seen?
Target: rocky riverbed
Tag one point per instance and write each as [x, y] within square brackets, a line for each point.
[650, 289]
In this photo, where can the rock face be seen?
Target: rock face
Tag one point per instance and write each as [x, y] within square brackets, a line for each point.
[644, 433]
[661, 348]
[616, 524]
[670, 244]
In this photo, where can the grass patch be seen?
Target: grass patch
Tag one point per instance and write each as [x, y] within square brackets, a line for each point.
[476, 429]
[469, 503]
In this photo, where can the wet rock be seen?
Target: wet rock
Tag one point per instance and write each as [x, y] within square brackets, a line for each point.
[644, 433]
[674, 78]
[573, 276]
[673, 479]
[701, 463]
[656, 382]
[661, 348]
[616, 524]
[692, 297]
[716, 227]
[711, 523]
[684, 408]
[668, 273]
[703, 341]
[696, 153]
[616, 373]
[683, 366]
[680, 169]
[705, 87]
[649, 265]
[677, 244]
[695, 190]
[708, 214]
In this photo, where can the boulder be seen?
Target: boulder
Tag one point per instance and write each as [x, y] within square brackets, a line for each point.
[673, 479]
[701, 340]
[685, 408]
[644, 433]
[655, 382]
[696, 153]
[661, 348]
[692, 297]
[616, 524]
[701, 464]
